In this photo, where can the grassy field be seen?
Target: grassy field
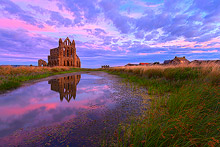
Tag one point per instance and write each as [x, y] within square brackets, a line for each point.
[183, 110]
[12, 77]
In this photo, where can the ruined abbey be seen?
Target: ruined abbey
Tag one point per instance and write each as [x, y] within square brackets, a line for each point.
[63, 55]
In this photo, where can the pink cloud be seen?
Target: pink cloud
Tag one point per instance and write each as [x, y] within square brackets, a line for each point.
[143, 4]
[46, 5]
[18, 55]
[94, 46]
[154, 53]
[206, 44]
[180, 42]
[18, 24]
[208, 51]
[186, 44]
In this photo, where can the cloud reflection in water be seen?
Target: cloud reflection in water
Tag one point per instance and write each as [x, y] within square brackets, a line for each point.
[43, 103]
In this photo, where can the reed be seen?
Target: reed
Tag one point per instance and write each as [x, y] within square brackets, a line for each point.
[184, 109]
[12, 77]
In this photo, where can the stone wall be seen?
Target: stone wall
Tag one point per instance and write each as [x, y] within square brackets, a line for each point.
[64, 55]
[42, 62]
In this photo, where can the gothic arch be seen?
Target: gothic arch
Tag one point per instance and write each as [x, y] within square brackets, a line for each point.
[67, 41]
[42, 63]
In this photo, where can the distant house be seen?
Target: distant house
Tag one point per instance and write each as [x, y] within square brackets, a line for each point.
[144, 64]
[129, 64]
[166, 62]
[105, 66]
[156, 63]
[179, 60]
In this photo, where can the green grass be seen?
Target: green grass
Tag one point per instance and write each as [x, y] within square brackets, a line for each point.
[183, 111]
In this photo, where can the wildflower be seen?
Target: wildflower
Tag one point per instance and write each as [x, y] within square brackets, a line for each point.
[211, 143]
[163, 136]
[215, 140]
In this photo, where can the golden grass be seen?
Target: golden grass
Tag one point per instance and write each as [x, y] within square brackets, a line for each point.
[12, 77]
[184, 108]
[212, 68]
[10, 70]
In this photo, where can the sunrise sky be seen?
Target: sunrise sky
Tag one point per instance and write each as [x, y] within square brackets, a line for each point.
[112, 32]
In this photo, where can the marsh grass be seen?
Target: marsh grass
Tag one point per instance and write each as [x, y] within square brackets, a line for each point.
[12, 77]
[184, 108]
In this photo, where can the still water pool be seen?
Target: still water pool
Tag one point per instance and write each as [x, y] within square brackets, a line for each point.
[75, 109]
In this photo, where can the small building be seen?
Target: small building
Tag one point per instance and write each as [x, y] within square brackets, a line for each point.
[105, 66]
[156, 63]
[179, 60]
[144, 64]
[166, 62]
[130, 64]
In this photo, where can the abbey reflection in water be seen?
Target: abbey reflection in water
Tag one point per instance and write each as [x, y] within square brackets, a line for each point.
[66, 86]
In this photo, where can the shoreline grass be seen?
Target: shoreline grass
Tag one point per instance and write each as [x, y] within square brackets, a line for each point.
[183, 111]
[13, 77]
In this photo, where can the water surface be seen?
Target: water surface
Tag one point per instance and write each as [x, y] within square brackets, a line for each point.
[77, 110]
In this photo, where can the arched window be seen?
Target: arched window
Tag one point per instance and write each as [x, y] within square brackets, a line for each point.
[64, 52]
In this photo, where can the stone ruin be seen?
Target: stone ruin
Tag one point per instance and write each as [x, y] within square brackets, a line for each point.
[63, 55]
[42, 63]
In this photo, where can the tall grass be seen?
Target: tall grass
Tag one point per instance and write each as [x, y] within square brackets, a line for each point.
[10, 70]
[12, 77]
[183, 111]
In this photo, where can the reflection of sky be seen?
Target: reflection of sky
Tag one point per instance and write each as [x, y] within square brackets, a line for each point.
[37, 105]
